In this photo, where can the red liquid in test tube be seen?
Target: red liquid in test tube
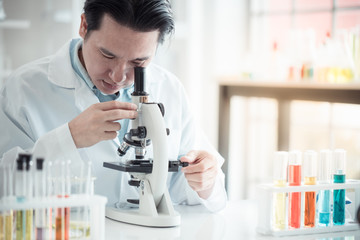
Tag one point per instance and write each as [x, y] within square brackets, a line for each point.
[294, 197]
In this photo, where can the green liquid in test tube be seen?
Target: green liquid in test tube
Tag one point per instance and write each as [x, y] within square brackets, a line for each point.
[280, 173]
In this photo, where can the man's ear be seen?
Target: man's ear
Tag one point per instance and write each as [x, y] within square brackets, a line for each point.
[83, 26]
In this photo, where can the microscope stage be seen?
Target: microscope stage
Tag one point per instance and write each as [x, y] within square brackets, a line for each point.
[142, 166]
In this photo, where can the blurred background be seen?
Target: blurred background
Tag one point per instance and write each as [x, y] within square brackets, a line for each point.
[272, 42]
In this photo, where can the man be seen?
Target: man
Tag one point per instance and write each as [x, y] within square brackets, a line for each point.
[76, 104]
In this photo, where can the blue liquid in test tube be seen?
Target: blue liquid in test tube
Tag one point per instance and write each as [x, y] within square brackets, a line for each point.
[324, 209]
[339, 194]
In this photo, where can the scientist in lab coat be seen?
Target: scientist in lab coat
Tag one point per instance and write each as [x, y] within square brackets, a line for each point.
[76, 104]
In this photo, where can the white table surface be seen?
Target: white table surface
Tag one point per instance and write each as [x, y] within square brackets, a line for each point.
[237, 221]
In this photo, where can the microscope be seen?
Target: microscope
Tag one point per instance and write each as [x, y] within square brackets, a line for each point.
[148, 175]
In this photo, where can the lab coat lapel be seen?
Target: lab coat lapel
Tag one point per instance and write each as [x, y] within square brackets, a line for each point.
[62, 74]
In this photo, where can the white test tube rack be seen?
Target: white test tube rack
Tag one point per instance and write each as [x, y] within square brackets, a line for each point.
[95, 203]
[265, 209]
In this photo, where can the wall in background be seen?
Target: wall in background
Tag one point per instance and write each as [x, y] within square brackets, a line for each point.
[208, 41]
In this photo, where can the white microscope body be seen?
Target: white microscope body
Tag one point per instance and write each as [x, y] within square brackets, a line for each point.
[155, 206]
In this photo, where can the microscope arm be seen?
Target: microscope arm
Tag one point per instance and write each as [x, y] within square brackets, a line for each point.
[156, 131]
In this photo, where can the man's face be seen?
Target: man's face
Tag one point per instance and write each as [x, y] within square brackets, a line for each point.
[110, 54]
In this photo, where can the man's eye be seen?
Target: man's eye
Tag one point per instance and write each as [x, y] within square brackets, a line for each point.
[138, 64]
[108, 57]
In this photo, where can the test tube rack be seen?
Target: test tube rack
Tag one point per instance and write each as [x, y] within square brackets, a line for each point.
[95, 205]
[265, 193]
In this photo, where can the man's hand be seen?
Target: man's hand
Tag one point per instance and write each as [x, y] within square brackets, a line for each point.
[201, 172]
[97, 123]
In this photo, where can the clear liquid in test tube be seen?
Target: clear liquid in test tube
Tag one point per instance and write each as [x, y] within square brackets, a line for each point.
[29, 213]
[40, 194]
[20, 192]
[279, 176]
[6, 217]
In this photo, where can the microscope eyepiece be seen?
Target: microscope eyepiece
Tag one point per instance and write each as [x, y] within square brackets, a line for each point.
[139, 82]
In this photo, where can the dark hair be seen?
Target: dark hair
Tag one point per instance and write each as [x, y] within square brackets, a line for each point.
[139, 15]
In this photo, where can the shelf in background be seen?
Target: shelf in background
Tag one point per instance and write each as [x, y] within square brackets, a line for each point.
[14, 24]
[312, 91]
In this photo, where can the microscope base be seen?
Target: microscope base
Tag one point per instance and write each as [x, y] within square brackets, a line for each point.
[132, 216]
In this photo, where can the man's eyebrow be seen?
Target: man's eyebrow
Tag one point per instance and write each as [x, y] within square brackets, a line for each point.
[107, 52]
[140, 59]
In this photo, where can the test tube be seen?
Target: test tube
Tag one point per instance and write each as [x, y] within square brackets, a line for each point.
[40, 194]
[280, 174]
[324, 177]
[20, 187]
[9, 194]
[62, 219]
[310, 168]
[294, 212]
[49, 193]
[29, 195]
[339, 194]
[88, 192]
[2, 200]
[76, 228]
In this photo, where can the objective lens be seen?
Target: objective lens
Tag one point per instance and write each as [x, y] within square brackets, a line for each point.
[123, 149]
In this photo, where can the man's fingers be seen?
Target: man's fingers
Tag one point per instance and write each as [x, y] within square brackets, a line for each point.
[105, 106]
[109, 135]
[200, 186]
[201, 176]
[191, 156]
[111, 126]
[198, 167]
[118, 114]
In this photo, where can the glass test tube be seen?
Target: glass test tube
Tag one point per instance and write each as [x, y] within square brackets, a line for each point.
[20, 187]
[29, 195]
[88, 191]
[2, 200]
[9, 194]
[3, 196]
[80, 228]
[310, 168]
[49, 193]
[40, 194]
[324, 177]
[294, 212]
[2, 225]
[280, 174]
[339, 194]
[62, 219]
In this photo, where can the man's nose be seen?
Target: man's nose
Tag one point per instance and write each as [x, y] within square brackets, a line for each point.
[118, 73]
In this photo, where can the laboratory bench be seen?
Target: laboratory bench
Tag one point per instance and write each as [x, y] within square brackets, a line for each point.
[237, 221]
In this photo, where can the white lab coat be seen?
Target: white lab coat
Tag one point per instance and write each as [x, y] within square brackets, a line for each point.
[40, 98]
